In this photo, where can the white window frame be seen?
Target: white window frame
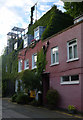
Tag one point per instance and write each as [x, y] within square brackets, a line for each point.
[19, 65]
[68, 82]
[33, 66]
[72, 45]
[25, 44]
[25, 64]
[15, 46]
[36, 35]
[55, 56]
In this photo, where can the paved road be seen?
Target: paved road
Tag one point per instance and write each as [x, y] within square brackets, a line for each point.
[13, 110]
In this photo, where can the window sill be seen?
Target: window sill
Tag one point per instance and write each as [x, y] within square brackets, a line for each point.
[34, 67]
[69, 83]
[71, 60]
[26, 68]
[54, 64]
[19, 71]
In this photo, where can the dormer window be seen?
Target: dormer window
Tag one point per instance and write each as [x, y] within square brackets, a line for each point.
[38, 32]
[15, 46]
[27, 40]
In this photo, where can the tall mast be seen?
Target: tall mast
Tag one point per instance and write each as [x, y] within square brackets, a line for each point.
[36, 10]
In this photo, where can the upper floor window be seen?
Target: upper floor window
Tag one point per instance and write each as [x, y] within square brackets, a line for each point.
[54, 55]
[38, 32]
[19, 65]
[15, 46]
[72, 79]
[26, 64]
[25, 42]
[34, 61]
[72, 49]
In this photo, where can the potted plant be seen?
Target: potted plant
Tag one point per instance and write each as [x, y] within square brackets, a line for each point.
[71, 109]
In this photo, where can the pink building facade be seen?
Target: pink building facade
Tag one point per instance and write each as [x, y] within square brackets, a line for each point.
[64, 65]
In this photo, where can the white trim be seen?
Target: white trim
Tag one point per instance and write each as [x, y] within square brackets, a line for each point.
[19, 70]
[25, 68]
[54, 64]
[70, 82]
[55, 56]
[33, 67]
[72, 45]
[74, 59]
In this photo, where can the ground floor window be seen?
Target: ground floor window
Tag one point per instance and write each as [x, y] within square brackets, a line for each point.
[70, 79]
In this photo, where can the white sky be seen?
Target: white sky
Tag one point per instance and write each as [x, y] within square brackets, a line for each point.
[17, 13]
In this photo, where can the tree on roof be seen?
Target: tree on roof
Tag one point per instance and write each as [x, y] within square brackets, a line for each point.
[74, 8]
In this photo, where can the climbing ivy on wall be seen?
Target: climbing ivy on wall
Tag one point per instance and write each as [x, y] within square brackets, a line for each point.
[41, 64]
[54, 21]
[9, 69]
[41, 61]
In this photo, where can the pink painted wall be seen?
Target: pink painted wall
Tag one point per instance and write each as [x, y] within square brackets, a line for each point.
[69, 94]
[82, 65]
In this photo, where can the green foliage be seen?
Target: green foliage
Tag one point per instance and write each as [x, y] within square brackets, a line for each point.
[29, 79]
[34, 103]
[54, 20]
[22, 98]
[41, 62]
[14, 97]
[4, 87]
[71, 107]
[52, 97]
[74, 8]
[11, 61]
[19, 85]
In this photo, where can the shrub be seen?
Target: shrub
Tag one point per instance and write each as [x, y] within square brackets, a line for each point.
[71, 107]
[34, 103]
[14, 98]
[22, 98]
[52, 97]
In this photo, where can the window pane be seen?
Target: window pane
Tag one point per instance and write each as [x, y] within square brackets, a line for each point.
[57, 57]
[54, 55]
[25, 42]
[37, 34]
[35, 60]
[74, 77]
[75, 51]
[65, 78]
[53, 58]
[20, 65]
[70, 53]
[27, 63]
